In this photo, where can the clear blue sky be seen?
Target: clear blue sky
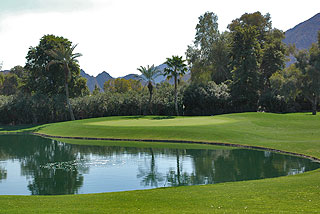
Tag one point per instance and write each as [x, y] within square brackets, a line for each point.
[118, 36]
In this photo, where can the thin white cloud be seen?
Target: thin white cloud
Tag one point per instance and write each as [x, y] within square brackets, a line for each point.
[24, 6]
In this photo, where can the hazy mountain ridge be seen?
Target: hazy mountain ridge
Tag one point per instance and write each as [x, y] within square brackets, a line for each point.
[98, 80]
[101, 78]
[304, 34]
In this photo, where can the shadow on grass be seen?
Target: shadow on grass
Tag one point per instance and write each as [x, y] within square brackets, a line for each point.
[163, 117]
[134, 117]
[22, 128]
[310, 114]
[150, 117]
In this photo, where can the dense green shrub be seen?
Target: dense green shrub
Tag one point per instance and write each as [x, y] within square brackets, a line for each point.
[207, 99]
[194, 99]
[38, 108]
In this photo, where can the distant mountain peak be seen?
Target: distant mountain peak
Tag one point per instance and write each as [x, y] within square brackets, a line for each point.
[99, 80]
[104, 76]
[304, 34]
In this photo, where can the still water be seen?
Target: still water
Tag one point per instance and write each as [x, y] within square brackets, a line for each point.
[31, 165]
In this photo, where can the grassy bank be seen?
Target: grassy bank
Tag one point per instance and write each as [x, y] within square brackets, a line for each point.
[289, 132]
[298, 133]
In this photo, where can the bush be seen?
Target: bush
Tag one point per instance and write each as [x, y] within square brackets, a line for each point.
[207, 99]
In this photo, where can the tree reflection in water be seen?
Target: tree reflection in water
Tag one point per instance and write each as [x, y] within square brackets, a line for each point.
[55, 168]
[34, 152]
[178, 177]
[3, 173]
[149, 175]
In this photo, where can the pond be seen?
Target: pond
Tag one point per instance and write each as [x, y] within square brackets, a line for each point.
[31, 165]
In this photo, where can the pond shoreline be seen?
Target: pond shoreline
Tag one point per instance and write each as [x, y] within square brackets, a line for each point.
[185, 141]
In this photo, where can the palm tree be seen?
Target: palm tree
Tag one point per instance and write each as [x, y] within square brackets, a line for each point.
[64, 56]
[148, 74]
[176, 68]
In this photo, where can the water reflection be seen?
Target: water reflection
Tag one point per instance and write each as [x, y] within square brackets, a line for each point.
[3, 173]
[34, 152]
[44, 167]
[149, 175]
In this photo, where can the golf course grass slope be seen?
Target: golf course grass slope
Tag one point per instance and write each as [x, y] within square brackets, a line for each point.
[298, 133]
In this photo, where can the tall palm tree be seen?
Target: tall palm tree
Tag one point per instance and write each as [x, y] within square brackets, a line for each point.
[64, 56]
[148, 74]
[176, 68]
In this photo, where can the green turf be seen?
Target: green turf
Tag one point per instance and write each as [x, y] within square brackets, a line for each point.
[290, 132]
[292, 194]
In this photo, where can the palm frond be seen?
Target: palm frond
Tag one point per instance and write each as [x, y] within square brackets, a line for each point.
[176, 67]
[149, 73]
[64, 54]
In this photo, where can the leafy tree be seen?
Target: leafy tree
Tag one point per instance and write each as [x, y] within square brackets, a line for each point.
[206, 99]
[309, 64]
[51, 81]
[10, 84]
[79, 87]
[245, 54]
[287, 82]
[273, 56]
[96, 90]
[148, 74]
[301, 78]
[262, 24]
[121, 85]
[1, 80]
[135, 85]
[220, 58]
[209, 57]
[64, 56]
[163, 99]
[19, 71]
[257, 53]
[176, 68]
[118, 85]
[206, 32]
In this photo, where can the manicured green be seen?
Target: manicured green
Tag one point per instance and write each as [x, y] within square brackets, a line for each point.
[290, 132]
[291, 194]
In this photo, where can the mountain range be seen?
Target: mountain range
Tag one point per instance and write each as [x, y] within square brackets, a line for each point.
[101, 78]
[302, 35]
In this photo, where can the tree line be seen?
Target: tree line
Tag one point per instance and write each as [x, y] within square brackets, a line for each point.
[241, 69]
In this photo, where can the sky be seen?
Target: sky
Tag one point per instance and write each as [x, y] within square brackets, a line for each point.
[118, 36]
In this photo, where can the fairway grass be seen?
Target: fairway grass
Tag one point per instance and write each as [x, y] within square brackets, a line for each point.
[161, 121]
[299, 133]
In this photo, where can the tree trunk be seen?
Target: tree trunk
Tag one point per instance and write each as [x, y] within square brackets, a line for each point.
[67, 76]
[176, 95]
[150, 87]
[314, 106]
[68, 101]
